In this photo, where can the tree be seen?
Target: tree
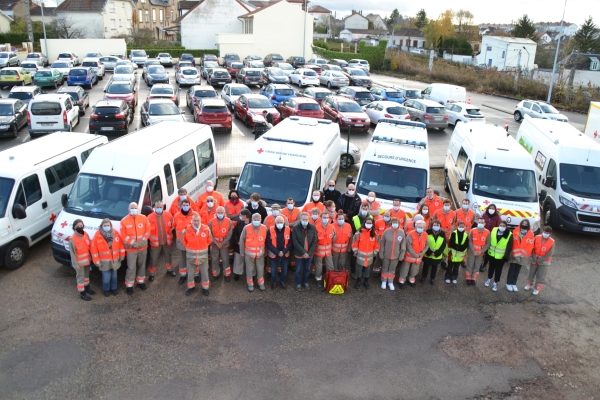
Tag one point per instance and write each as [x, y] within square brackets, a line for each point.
[371, 25]
[586, 38]
[66, 28]
[421, 19]
[524, 28]
[438, 30]
[393, 19]
[465, 27]
[456, 46]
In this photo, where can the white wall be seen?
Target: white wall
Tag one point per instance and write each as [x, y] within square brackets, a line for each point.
[582, 78]
[90, 23]
[199, 27]
[82, 46]
[123, 11]
[237, 43]
[504, 55]
[356, 21]
[4, 24]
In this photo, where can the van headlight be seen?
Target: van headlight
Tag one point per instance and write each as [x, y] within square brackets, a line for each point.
[60, 241]
[536, 225]
[566, 202]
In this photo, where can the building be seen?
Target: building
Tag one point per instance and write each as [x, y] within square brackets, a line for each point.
[377, 21]
[8, 7]
[356, 21]
[5, 21]
[36, 13]
[407, 38]
[98, 18]
[543, 37]
[486, 29]
[503, 53]
[321, 15]
[154, 16]
[351, 35]
[568, 28]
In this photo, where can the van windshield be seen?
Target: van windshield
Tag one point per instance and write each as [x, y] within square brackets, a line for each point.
[580, 180]
[504, 183]
[46, 108]
[392, 181]
[100, 196]
[138, 53]
[274, 183]
[6, 186]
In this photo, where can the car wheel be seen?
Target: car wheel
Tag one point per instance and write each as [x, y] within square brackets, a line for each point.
[15, 255]
[235, 115]
[55, 85]
[446, 186]
[246, 122]
[22, 83]
[70, 128]
[518, 116]
[18, 63]
[328, 85]
[346, 161]
[549, 213]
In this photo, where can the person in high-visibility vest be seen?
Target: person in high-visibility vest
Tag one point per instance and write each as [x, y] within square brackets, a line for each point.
[417, 243]
[239, 265]
[291, 212]
[501, 243]
[356, 222]
[392, 247]
[323, 254]
[381, 224]
[466, 215]
[459, 244]
[279, 243]
[107, 253]
[79, 248]
[397, 212]
[221, 229]
[181, 220]
[315, 213]
[543, 249]
[341, 244]
[446, 217]
[523, 239]
[161, 238]
[208, 210]
[425, 214]
[135, 231]
[433, 256]
[315, 203]
[479, 243]
[365, 246]
[196, 240]
[253, 247]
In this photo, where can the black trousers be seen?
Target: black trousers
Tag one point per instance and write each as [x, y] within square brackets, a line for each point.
[513, 274]
[428, 262]
[352, 263]
[452, 271]
[495, 270]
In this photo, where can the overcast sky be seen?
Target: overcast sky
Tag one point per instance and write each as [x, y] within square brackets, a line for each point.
[485, 11]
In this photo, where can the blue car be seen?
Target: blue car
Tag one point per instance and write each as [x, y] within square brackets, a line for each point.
[276, 93]
[82, 76]
[389, 94]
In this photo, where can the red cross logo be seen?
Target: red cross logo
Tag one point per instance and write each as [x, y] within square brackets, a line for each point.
[63, 224]
[259, 150]
[596, 135]
[486, 202]
[52, 218]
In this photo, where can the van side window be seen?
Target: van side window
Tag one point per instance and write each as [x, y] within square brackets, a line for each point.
[461, 161]
[86, 154]
[551, 171]
[206, 156]
[169, 179]
[68, 105]
[469, 170]
[185, 168]
[540, 160]
[62, 174]
[153, 192]
[29, 191]
[317, 183]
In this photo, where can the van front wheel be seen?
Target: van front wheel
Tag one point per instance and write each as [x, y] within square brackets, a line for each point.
[446, 186]
[518, 116]
[549, 212]
[346, 161]
[15, 255]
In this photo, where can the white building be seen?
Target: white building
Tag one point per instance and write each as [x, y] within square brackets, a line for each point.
[350, 35]
[98, 18]
[378, 22]
[568, 29]
[503, 52]
[320, 14]
[407, 39]
[356, 21]
[5, 22]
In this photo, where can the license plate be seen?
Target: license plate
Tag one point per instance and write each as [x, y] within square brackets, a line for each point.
[587, 229]
[191, 81]
[359, 125]
[4, 126]
[254, 83]
[107, 128]
[47, 123]
[437, 119]
[216, 125]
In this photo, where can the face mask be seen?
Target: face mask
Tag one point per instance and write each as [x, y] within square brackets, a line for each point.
[396, 208]
[351, 192]
[461, 229]
[182, 197]
[304, 223]
[220, 216]
[325, 220]
[446, 208]
[363, 212]
[480, 226]
[501, 228]
[210, 203]
[316, 198]
[545, 235]
[209, 189]
[431, 197]
[492, 212]
[395, 225]
[79, 229]
[290, 207]
[523, 231]
[133, 212]
[465, 207]
[331, 188]
[254, 204]
[196, 225]
[371, 199]
[279, 226]
[158, 210]
[425, 212]
[435, 228]
[340, 222]
[386, 219]
[234, 199]
[255, 223]
[314, 217]
[368, 226]
[332, 209]
[106, 228]
[185, 208]
[419, 230]
[275, 213]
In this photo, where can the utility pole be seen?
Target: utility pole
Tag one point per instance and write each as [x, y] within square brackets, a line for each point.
[44, 27]
[28, 20]
[518, 68]
[556, 55]
[304, 30]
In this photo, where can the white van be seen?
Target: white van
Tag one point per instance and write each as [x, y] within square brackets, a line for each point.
[444, 93]
[567, 165]
[486, 165]
[48, 113]
[293, 159]
[144, 166]
[396, 164]
[33, 177]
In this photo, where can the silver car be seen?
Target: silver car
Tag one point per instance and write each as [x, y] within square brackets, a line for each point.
[157, 110]
[429, 112]
[39, 57]
[232, 91]
[188, 76]
[31, 66]
[349, 155]
[109, 62]
[9, 59]
[124, 73]
[333, 79]
[538, 109]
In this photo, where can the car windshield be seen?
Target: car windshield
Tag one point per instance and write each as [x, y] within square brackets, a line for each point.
[20, 95]
[276, 72]
[321, 95]
[162, 90]
[189, 71]
[435, 110]
[392, 181]
[210, 57]
[123, 70]
[92, 55]
[396, 110]
[221, 74]
[186, 57]
[8, 72]
[6, 109]
[237, 91]
[413, 94]
[236, 65]
[60, 65]
[3, 55]
[214, 108]
[157, 70]
[100, 196]
[164, 109]
[364, 95]
[473, 111]
[138, 53]
[338, 75]
[211, 64]
[580, 180]
[89, 64]
[358, 72]
[45, 108]
[548, 109]
[164, 55]
[350, 107]
[284, 92]
[393, 95]
[43, 73]
[275, 184]
[259, 103]
[504, 183]
[253, 73]
[118, 89]
[309, 107]
[64, 55]
[286, 67]
[78, 72]
[332, 67]
[309, 73]
[6, 186]
[205, 93]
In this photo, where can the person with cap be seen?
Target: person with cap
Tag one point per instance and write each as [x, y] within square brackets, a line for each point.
[210, 191]
[256, 205]
[434, 254]
[323, 252]
[161, 239]
[221, 229]
[238, 258]
[392, 247]
[279, 244]
[541, 257]
[178, 202]
[253, 246]
[233, 205]
[314, 203]
[330, 192]
[417, 243]
[304, 237]
[365, 246]
[501, 243]
[107, 253]
[479, 244]
[458, 244]
[181, 220]
[135, 231]
[342, 242]
[79, 249]
[196, 240]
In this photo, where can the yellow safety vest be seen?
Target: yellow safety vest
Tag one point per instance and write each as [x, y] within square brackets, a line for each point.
[498, 248]
[434, 245]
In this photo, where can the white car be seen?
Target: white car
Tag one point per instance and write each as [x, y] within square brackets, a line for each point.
[333, 79]
[109, 62]
[232, 91]
[377, 110]
[93, 54]
[358, 63]
[304, 77]
[188, 76]
[127, 62]
[317, 61]
[348, 158]
[94, 64]
[463, 112]
[124, 73]
[63, 66]
[32, 66]
[69, 57]
[165, 59]
[285, 67]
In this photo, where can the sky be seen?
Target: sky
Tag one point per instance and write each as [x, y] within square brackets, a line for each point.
[485, 11]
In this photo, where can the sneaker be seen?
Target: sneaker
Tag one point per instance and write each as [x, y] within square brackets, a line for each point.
[251, 288]
[535, 292]
[447, 280]
[514, 288]
[487, 283]
[391, 286]
[298, 288]
[494, 287]
[527, 287]
[384, 285]
[204, 292]
[431, 281]
[151, 278]
[261, 288]
[454, 281]
[306, 286]
[509, 288]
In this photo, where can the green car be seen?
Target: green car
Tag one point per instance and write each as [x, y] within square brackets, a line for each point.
[48, 77]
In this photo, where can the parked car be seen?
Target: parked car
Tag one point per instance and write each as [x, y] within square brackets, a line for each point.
[272, 58]
[95, 65]
[249, 76]
[381, 109]
[49, 77]
[13, 117]
[184, 64]
[14, 76]
[93, 54]
[199, 92]
[188, 76]
[120, 56]
[146, 65]
[158, 110]
[538, 109]
[156, 74]
[463, 112]
[296, 61]
[219, 76]
[25, 93]
[285, 67]
[304, 77]
[9, 59]
[349, 154]
[110, 117]
[109, 62]
[62, 66]
[345, 112]
[358, 63]
[331, 67]
[232, 91]
[412, 94]
[138, 57]
[314, 67]
[359, 94]
[277, 92]
[388, 94]
[213, 112]
[80, 97]
[357, 77]
[251, 58]
[333, 79]
[339, 62]
[207, 67]
[124, 73]
[165, 59]
[68, 57]
[82, 76]
[31, 66]
[49, 113]
[209, 57]
[127, 62]
[122, 90]
[431, 113]
[187, 57]
[274, 75]
[316, 93]
[41, 58]
[229, 58]
[234, 67]
[165, 91]
[317, 61]
[300, 107]
[255, 64]
[248, 106]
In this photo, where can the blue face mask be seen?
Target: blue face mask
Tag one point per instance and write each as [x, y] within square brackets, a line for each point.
[275, 213]
[220, 216]
[304, 223]
[279, 226]
[419, 230]
[185, 208]
[331, 188]
[325, 220]
[133, 212]
[106, 228]
[340, 222]
[436, 228]
[363, 212]
[255, 223]
[158, 211]
[386, 219]
[395, 226]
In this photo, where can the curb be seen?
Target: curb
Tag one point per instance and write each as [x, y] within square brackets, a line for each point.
[504, 110]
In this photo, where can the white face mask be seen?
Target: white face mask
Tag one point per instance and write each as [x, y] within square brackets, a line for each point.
[461, 229]
[279, 226]
[332, 209]
[275, 213]
[480, 226]
[133, 212]
[209, 189]
[371, 199]
[501, 228]
[254, 204]
[209, 203]
[106, 228]
[425, 212]
[315, 217]
[492, 212]
[325, 220]
[351, 192]
[182, 197]
[340, 222]
[545, 235]
[368, 226]
[290, 207]
[446, 208]
[316, 198]
[396, 208]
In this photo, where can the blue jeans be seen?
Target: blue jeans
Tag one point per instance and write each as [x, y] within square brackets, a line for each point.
[284, 267]
[109, 280]
[302, 270]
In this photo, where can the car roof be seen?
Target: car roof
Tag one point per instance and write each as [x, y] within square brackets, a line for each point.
[305, 100]
[392, 89]
[160, 100]
[320, 90]
[109, 103]
[358, 89]
[220, 70]
[387, 103]
[213, 102]
[90, 59]
[253, 69]
[462, 104]
[427, 102]
[342, 99]
[281, 86]
[7, 101]
[205, 87]
[191, 68]
[162, 85]
[23, 89]
[254, 96]
[69, 89]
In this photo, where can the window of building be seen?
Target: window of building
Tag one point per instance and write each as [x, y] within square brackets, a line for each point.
[489, 48]
[111, 7]
[147, 16]
[140, 16]
[120, 23]
[415, 43]
[62, 174]
[248, 26]
[185, 168]
[160, 15]
[503, 54]
[113, 24]
[153, 15]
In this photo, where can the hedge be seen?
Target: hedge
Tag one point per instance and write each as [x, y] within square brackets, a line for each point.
[175, 52]
[18, 38]
[373, 54]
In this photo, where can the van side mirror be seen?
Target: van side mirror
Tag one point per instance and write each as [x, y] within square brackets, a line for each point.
[349, 179]
[232, 183]
[147, 210]
[437, 192]
[549, 182]
[543, 194]
[463, 185]
[18, 212]
[64, 199]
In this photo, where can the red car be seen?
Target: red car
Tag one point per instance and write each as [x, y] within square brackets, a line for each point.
[247, 106]
[213, 112]
[345, 112]
[301, 107]
[121, 90]
[234, 68]
[315, 68]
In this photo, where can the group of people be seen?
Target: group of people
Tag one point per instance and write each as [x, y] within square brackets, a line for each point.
[334, 231]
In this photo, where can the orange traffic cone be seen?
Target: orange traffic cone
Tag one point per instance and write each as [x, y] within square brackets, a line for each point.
[506, 126]
[469, 101]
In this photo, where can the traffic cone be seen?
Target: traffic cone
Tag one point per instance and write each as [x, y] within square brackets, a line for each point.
[506, 126]
[469, 101]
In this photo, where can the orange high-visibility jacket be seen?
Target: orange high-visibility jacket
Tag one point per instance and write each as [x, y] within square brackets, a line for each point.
[153, 219]
[175, 206]
[135, 229]
[254, 243]
[479, 240]
[400, 214]
[196, 243]
[273, 234]
[416, 244]
[325, 237]
[292, 216]
[365, 247]
[81, 246]
[466, 217]
[201, 202]
[343, 234]
[101, 251]
[522, 246]
[221, 230]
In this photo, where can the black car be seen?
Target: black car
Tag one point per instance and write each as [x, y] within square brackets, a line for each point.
[219, 76]
[80, 96]
[188, 57]
[229, 58]
[296, 62]
[271, 59]
[339, 62]
[359, 94]
[357, 77]
[13, 116]
[110, 117]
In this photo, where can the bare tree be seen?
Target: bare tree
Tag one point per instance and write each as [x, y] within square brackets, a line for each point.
[66, 28]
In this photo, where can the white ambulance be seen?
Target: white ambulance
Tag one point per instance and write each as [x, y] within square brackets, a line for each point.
[396, 165]
[33, 177]
[567, 164]
[144, 166]
[292, 159]
[486, 165]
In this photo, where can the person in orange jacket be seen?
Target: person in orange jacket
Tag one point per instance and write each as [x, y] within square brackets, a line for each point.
[365, 246]
[135, 231]
[253, 247]
[221, 229]
[323, 255]
[523, 240]
[446, 216]
[432, 200]
[107, 253]
[397, 212]
[342, 243]
[196, 239]
[275, 212]
[417, 243]
[233, 206]
[210, 191]
[208, 210]
[79, 248]
[374, 205]
[161, 239]
[180, 221]
[177, 203]
[314, 203]
[541, 257]
[291, 212]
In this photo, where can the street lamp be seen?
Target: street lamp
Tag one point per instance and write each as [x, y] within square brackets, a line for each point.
[556, 55]
[527, 68]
